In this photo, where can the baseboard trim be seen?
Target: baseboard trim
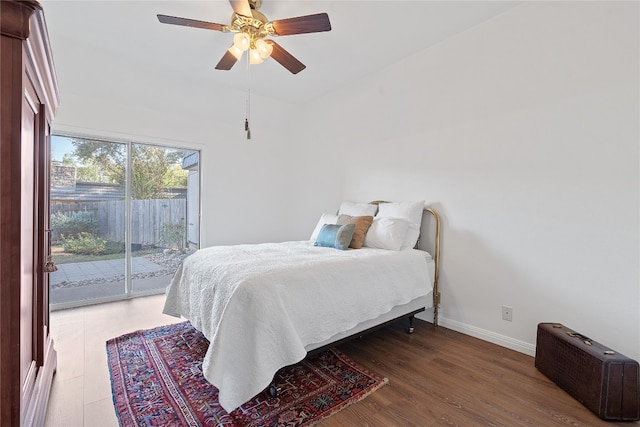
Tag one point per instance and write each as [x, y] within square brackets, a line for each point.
[36, 404]
[485, 335]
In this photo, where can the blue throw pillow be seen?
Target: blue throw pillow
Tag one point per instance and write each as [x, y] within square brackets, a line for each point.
[335, 236]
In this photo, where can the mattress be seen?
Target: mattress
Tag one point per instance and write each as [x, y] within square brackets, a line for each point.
[262, 307]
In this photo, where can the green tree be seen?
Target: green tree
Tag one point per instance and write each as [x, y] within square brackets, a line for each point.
[68, 159]
[88, 170]
[149, 166]
[103, 162]
[152, 168]
[175, 176]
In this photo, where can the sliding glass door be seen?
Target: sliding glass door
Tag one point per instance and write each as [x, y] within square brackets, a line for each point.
[87, 220]
[159, 204]
[122, 218]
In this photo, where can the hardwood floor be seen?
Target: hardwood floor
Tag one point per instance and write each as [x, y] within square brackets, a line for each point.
[437, 377]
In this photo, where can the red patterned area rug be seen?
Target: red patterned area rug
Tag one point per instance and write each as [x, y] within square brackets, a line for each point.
[156, 380]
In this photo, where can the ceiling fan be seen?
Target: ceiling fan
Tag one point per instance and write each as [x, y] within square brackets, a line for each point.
[252, 29]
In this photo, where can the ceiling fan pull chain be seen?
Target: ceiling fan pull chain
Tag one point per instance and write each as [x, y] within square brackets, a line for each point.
[246, 120]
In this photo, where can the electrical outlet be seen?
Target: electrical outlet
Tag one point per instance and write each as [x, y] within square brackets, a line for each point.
[507, 313]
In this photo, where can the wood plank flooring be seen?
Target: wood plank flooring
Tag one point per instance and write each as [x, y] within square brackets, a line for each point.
[437, 377]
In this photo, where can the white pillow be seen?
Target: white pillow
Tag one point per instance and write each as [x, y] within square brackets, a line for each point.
[410, 211]
[386, 233]
[326, 218]
[357, 209]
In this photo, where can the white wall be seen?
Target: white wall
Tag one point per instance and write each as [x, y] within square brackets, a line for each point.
[524, 133]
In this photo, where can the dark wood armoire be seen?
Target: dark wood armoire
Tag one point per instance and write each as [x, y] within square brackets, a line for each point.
[28, 101]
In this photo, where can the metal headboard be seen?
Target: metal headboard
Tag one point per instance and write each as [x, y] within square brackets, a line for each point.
[436, 259]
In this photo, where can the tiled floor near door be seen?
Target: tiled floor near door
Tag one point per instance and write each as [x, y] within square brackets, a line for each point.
[81, 391]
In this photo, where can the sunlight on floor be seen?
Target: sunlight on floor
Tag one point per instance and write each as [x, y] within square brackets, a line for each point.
[81, 390]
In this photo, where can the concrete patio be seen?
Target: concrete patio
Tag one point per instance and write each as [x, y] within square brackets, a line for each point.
[98, 279]
[82, 271]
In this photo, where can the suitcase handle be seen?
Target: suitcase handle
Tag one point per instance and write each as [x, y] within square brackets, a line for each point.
[586, 340]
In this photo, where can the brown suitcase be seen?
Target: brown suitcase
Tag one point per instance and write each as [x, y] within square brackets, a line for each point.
[601, 379]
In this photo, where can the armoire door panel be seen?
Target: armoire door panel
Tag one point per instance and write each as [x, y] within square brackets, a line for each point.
[42, 239]
[29, 140]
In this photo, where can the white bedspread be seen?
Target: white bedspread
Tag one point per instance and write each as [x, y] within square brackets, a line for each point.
[260, 305]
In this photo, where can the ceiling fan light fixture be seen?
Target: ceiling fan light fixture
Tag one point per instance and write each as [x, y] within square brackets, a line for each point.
[254, 57]
[264, 48]
[242, 41]
[237, 53]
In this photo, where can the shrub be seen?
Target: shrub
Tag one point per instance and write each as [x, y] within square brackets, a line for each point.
[84, 243]
[72, 224]
[90, 244]
[173, 235]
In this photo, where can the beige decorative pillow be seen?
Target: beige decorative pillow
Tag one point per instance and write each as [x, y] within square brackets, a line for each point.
[362, 226]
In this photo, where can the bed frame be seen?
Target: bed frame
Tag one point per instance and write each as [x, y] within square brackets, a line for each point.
[274, 388]
[436, 260]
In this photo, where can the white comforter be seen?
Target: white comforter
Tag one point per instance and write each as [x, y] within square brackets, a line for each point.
[260, 305]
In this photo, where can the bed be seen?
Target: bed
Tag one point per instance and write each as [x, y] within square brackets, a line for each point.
[266, 306]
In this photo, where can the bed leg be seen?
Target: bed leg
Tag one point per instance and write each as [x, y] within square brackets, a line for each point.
[410, 329]
[273, 389]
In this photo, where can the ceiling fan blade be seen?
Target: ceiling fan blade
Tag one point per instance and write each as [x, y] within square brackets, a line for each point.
[165, 19]
[285, 59]
[241, 7]
[228, 60]
[302, 24]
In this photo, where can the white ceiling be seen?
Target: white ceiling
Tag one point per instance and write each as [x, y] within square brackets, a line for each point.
[366, 36]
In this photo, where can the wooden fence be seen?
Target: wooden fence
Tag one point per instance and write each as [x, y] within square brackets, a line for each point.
[147, 218]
